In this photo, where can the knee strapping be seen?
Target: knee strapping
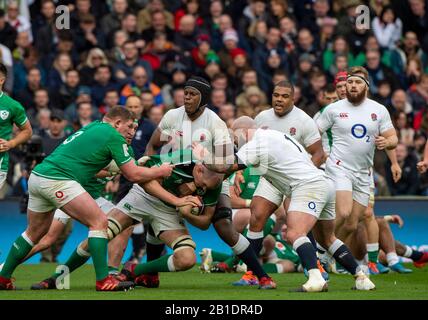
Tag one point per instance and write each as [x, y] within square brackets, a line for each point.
[183, 242]
[113, 229]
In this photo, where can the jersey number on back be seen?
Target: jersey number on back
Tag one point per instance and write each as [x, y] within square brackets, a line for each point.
[72, 137]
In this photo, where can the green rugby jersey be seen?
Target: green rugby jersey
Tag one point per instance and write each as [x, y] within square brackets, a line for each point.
[284, 251]
[85, 153]
[95, 186]
[11, 112]
[182, 173]
[249, 186]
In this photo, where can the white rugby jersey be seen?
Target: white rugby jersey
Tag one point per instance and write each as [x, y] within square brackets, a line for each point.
[280, 159]
[354, 129]
[296, 123]
[208, 129]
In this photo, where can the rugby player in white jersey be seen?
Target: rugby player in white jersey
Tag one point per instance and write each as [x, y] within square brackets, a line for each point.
[195, 122]
[285, 117]
[358, 126]
[370, 224]
[288, 167]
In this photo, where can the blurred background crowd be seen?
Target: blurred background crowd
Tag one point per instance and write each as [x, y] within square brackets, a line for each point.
[146, 49]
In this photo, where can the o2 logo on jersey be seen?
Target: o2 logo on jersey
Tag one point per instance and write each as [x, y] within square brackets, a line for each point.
[359, 131]
[312, 205]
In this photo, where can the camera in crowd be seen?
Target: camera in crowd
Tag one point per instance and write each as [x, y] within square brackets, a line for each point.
[32, 155]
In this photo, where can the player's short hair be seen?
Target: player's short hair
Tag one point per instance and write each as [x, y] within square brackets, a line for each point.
[121, 113]
[3, 70]
[329, 88]
[358, 70]
[285, 84]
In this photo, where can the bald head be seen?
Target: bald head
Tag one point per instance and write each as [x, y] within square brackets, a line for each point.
[243, 130]
[244, 122]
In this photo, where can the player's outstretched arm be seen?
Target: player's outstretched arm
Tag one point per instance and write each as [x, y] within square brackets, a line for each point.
[137, 174]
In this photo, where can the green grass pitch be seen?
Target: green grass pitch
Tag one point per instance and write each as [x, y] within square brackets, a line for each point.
[192, 284]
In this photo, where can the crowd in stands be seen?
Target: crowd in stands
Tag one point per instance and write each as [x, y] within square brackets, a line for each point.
[114, 49]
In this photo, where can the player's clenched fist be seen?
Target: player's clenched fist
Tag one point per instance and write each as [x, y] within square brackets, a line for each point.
[166, 169]
[381, 142]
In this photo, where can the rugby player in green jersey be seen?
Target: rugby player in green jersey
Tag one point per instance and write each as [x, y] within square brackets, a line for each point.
[190, 185]
[11, 112]
[57, 183]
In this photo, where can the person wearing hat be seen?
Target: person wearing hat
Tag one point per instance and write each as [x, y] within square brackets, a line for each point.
[195, 123]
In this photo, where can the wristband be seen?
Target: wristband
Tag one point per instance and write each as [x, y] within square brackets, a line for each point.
[247, 203]
[388, 218]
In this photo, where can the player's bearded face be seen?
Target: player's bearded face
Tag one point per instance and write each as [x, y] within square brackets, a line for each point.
[356, 90]
[192, 99]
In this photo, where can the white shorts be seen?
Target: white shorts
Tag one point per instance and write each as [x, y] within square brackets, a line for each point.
[3, 176]
[316, 198]
[104, 205]
[267, 191]
[347, 180]
[45, 195]
[139, 205]
[225, 188]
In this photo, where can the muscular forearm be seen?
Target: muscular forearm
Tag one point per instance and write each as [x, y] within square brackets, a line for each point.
[391, 142]
[22, 136]
[155, 189]
[201, 221]
[238, 202]
[391, 155]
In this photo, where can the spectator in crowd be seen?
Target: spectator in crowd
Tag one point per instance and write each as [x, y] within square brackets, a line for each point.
[252, 101]
[387, 28]
[409, 182]
[41, 101]
[33, 83]
[46, 16]
[185, 37]
[124, 68]
[155, 114]
[55, 134]
[23, 42]
[139, 83]
[145, 15]
[67, 92]
[378, 71]
[102, 83]
[158, 24]
[404, 132]
[112, 20]
[95, 58]
[19, 22]
[111, 99]
[7, 32]
[56, 75]
[418, 94]
[84, 115]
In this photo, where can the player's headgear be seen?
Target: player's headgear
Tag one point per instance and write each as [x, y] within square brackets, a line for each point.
[203, 87]
[340, 76]
[359, 72]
